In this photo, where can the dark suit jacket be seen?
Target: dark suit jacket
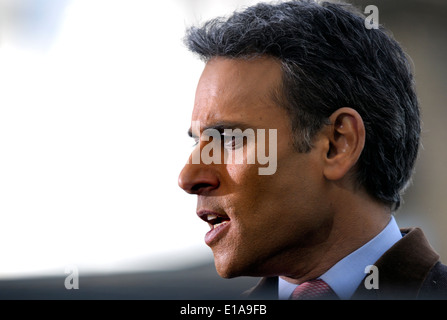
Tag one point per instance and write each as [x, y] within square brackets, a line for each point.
[410, 269]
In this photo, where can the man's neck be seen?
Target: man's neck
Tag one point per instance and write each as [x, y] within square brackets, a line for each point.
[353, 226]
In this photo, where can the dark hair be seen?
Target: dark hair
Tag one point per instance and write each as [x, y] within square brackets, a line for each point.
[330, 60]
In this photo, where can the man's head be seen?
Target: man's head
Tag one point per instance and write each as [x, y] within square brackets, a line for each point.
[341, 98]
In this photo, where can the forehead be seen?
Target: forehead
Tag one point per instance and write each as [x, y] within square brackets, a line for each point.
[237, 90]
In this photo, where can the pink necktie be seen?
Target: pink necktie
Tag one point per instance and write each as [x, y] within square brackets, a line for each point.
[315, 289]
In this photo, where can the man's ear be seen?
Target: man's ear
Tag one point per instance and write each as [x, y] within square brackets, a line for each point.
[346, 139]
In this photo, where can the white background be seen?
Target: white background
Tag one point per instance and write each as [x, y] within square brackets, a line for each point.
[95, 103]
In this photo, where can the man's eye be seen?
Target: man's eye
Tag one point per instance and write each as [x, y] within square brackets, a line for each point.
[231, 142]
[196, 142]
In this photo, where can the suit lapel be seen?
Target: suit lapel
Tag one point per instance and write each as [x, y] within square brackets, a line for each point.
[266, 289]
[402, 269]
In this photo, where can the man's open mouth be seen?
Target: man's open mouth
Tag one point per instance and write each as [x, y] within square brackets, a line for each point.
[217, 222]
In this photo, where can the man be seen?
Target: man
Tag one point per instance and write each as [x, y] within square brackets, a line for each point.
[338, 101]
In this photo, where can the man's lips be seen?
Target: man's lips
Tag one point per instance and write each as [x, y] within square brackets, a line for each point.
[218, 223]
[213, 218]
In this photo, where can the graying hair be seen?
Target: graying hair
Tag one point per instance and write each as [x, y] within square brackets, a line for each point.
[330, 60]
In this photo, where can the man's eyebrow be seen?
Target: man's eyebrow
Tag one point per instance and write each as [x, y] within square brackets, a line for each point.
[221, 126]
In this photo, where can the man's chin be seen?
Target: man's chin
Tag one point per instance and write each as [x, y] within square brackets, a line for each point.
[227, 268]
[225, 272]
[232, 266]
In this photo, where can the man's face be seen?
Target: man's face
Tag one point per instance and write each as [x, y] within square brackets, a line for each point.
[268, 219]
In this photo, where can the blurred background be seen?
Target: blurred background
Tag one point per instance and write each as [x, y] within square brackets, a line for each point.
[95, 103]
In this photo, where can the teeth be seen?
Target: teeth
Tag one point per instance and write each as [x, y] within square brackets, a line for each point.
[218, 224]
[211, 217]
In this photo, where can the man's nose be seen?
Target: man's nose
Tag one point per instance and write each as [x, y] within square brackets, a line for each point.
[198, 178]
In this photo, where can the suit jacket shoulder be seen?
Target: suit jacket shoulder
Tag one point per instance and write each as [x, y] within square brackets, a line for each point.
[408, 270]
[435, 285]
